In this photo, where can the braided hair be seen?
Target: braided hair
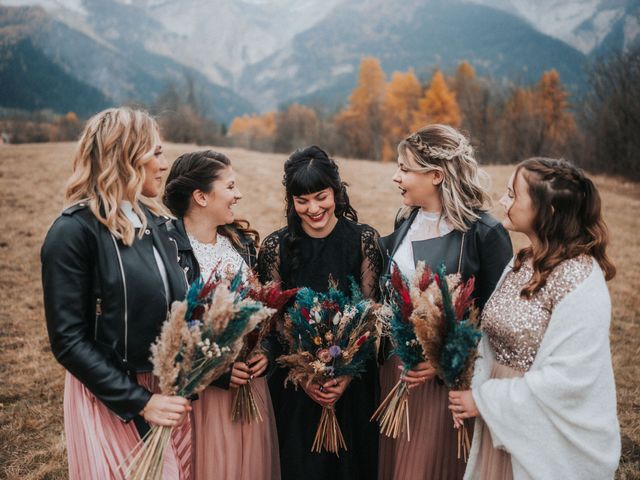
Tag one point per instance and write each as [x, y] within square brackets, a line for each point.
[309, 170]
[197, 171]
[568, 219]
[464, 191]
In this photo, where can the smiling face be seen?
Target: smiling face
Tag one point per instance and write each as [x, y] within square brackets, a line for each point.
[317, 212]
[518, 205]
[153, 172]
[219, 201]
[418, 189]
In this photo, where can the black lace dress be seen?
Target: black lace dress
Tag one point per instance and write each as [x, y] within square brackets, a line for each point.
[349, 250]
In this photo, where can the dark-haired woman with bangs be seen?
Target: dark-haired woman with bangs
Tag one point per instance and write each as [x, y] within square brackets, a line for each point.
[543, 389]
[322, 241]
[201, 191]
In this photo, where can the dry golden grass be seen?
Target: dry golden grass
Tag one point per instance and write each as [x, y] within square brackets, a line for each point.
[31, 184]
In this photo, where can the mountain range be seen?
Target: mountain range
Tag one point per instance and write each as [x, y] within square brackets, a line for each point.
[254, 55]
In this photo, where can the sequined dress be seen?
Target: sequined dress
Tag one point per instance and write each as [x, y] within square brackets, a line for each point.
[515, 327]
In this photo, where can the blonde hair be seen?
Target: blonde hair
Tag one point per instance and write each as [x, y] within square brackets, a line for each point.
[108, 167]
[464, 190]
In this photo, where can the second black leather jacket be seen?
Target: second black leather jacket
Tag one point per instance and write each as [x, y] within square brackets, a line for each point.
[487, 251]
[89, 303]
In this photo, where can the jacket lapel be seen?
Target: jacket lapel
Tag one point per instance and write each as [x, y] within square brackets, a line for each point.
[390, 244]
[168, 251]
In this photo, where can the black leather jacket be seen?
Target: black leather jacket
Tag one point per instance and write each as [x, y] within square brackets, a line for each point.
[486, 252]
[101, 326]
[191, 269]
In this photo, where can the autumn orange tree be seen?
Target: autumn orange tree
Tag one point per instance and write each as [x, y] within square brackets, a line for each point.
[537, 121]
[254, 131]
[437, 105]
[360, 124]
[400, 103]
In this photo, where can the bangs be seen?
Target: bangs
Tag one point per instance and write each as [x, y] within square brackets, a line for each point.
[308, 180]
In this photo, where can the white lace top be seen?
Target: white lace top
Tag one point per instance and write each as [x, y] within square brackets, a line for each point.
[425, 226]
[221, 255]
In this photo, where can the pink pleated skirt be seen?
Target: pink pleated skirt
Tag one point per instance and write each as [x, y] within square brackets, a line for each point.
[432, 451]
[98, 441]
[224, 449]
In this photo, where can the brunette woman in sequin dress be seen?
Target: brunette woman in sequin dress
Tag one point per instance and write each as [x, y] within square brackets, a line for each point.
[201, 191]
[322, 241]
[543, 390]
[445, 219]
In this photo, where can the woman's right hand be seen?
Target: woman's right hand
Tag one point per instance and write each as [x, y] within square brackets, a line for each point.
[321, 398]
[418, 375]
[240, 374]
[165, 410]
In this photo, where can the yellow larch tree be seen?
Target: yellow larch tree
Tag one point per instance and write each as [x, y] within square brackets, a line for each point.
[400, 103]
[438, 105]
[360, 124]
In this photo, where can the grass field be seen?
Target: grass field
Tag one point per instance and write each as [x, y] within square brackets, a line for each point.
[31, 185]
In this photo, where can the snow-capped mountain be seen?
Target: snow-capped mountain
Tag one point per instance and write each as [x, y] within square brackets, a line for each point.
[271, 52]
[583, 24]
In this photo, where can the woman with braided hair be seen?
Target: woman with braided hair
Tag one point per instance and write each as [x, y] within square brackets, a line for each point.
[543, 389]
[201, 192]
[444, 220]
[321, 242]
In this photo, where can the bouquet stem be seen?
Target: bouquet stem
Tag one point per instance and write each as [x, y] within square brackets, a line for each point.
[328, 436]
[147, 458]
[244, 408]
[464, 444]
[393, 412]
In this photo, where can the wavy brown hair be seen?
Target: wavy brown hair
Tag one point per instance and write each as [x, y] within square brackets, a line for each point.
[108, 167]
[197, 171]
[568, 219]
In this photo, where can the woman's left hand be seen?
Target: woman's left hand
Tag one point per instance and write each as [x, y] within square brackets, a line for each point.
[336, 387]
[462, 405]
[258, 365]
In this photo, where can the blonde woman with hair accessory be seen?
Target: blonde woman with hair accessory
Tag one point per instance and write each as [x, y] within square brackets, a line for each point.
[109, 274]
[444, 220]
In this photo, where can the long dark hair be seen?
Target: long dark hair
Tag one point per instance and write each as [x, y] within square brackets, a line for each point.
[568, 219]
[309, 170]
[197, 171]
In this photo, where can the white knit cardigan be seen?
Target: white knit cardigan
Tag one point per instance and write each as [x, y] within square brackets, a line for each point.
[559, 420]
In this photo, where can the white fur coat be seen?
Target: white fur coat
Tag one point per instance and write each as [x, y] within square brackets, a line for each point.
[559, 420]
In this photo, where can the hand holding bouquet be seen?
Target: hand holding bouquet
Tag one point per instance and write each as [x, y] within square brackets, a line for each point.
[395, 319]
[198, 342]
[244, 408]
[451, 338]
[329, 335]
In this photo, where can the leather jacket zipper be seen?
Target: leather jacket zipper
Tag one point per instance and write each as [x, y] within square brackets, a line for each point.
[124, 288]
[98, 314]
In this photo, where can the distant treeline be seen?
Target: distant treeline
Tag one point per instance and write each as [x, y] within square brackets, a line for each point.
[598, 131]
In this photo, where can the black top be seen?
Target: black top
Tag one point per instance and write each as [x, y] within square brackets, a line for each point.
[349, 250]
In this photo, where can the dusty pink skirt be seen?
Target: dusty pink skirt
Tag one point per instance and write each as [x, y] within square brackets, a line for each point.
[98, 441]
[226, 449]
[494, 463]
[432, 451]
